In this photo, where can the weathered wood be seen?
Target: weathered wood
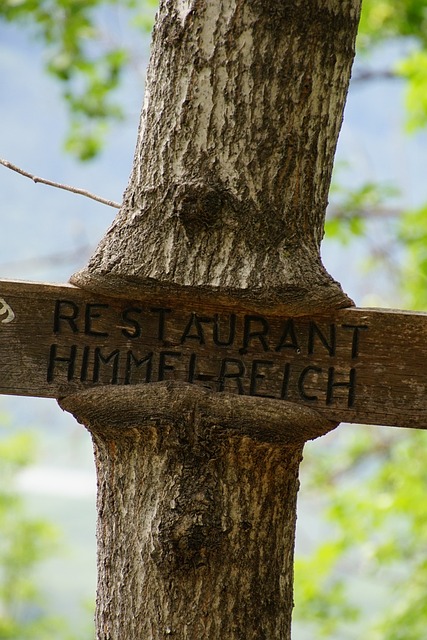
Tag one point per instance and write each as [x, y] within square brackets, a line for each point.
[354, 365]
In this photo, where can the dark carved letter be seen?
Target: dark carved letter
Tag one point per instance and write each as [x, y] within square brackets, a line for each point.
[234, 375]
[134, 331]
[91, 314]
[261, 334]
[355, 343]
[329, 346]
[53, 358]
[231, 331]
[60, 314]
[301, 382]
[350, 385]
[288, 339]
[256, 375]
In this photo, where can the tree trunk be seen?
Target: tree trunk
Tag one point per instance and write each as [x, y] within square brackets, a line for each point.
[228, 193]
[225, 208]
[196, 511]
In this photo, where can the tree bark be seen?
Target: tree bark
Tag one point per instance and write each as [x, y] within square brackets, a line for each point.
[228, 193]
[225, 207]
[196, 511]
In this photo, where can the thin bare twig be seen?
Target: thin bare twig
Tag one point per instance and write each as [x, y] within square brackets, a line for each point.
[58, 185]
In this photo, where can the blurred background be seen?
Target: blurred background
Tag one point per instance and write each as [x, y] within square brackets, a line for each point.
[72, 82]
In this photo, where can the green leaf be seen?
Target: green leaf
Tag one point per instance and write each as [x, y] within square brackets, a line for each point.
[87, 55]
[414, 70]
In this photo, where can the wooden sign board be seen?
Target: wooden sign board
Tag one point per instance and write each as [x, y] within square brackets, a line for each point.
[355, 365]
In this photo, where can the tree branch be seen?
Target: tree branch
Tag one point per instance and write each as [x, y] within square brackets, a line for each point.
[378, 212]
[374, 74]
[63, 257]
[50, 183]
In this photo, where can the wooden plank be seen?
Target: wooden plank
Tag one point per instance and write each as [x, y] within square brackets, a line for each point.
[355, 365]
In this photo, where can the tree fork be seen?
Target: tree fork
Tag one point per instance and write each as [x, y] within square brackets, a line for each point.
[197, 510]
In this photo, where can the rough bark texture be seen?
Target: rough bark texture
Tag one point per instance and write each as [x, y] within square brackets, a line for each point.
[226, 203]
[197, 510]
[244, 102]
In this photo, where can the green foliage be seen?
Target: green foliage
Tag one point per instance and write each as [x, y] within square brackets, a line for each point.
[24, 542]
[367, 575]
[414, 70]
[352, 207]
[407, 19]
[377, 525]
[412, 235]
[86, 53]
[402, 251]
[385, 19]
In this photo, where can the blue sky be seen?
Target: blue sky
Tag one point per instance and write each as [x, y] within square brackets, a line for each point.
[38, 220]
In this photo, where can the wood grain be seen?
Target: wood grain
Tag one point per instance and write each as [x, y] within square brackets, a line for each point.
[355, 365]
